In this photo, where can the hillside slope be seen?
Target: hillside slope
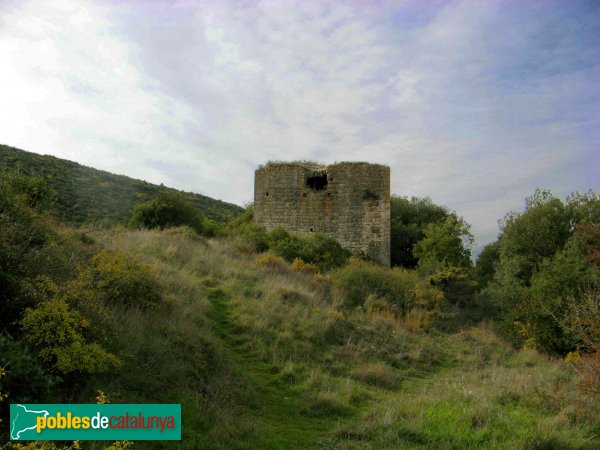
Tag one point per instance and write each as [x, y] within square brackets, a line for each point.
[271, 358]
[260, 352]
[84, 194]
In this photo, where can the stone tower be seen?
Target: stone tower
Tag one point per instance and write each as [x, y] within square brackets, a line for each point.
[348, 200]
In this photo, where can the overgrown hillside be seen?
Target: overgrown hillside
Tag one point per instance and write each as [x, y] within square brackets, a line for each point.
[267, 357]
[275, 340]
[84, 194]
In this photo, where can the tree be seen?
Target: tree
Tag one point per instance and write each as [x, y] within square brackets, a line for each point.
[538, 233]
[445, 245]
[409, 217]
[558, 289]
[546, 269]
[486, 263]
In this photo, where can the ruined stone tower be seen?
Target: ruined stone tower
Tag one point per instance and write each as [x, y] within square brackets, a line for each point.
[349, 200]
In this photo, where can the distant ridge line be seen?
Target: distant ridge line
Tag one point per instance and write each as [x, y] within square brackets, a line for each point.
[84, 194]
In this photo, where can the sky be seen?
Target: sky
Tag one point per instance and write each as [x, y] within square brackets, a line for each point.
[474, 104]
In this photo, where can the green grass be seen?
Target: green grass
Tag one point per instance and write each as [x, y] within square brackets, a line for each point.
[271, 358]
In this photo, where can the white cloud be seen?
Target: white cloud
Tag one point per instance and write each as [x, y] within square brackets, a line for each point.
[472, 104]
[74, 90]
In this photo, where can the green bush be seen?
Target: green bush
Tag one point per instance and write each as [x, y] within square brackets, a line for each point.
[402, 288]
[255, 235]
[33, 190]
[323, 251]
[537, 233]
[58, 335]
[23, 239]
[319, 249]
[122, 281]
[284, 244]
[167, 210]
[25, 380]
[249, 231]
[241, 219]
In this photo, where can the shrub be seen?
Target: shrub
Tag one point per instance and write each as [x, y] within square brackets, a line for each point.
[168, 209]
[546, 262]
[486, 263]
[427, 296]
[242, 219]
[537, 233]
[301, 266]
[58, 335]
[23, 236]
[122, 281]
[255, 235]
[323, 251]
[33, 190]
[399, 287]
[285, 244]
[249, 231]
[319, 249]
[268, 259]
[557, 310]
[25, 379]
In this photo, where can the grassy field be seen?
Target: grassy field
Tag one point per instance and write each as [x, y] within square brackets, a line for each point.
[267, 357]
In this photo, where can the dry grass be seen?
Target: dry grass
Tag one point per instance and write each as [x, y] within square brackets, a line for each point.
[348, 378]
[494, 398]
[377, 374]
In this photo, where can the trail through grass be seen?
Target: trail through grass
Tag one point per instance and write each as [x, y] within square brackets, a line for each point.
[273, 359]
[280, 406]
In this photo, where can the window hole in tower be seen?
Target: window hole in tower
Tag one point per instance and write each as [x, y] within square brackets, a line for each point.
[317, 182]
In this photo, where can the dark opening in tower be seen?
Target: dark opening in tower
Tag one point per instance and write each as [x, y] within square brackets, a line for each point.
[317, 182]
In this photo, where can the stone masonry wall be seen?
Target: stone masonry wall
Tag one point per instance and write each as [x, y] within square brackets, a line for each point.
[349, 200]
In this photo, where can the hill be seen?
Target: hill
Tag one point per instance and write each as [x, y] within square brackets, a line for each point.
[266, 357]
[267, 352]
[85, 195]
